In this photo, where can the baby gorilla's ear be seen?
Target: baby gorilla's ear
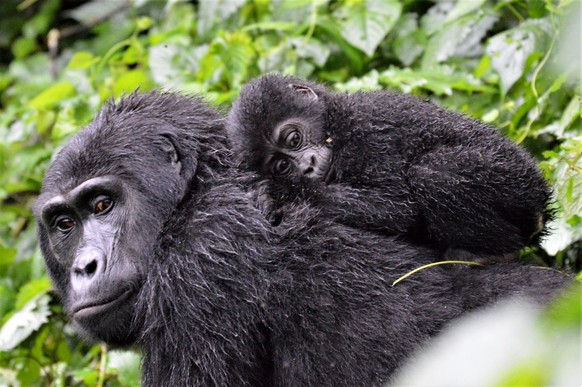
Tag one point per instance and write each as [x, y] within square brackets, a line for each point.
[305, 91]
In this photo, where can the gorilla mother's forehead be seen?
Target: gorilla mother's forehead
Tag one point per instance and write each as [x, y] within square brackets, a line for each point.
[104, 147]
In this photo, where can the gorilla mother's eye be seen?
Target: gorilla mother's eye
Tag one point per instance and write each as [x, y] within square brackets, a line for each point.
[103, 205]
[281, 167]
[65, 224]
[293, 139]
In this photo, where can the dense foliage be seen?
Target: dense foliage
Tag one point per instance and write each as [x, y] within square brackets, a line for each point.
[511, 63]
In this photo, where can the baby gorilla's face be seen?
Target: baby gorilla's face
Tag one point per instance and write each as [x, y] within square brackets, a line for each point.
[297, 149]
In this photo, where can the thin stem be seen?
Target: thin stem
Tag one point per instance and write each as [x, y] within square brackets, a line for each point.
[434, 264]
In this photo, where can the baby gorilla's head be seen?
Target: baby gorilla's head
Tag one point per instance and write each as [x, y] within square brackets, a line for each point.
[295, 148]
[277, 128]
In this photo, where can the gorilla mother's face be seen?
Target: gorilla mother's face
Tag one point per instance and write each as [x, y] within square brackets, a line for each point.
[95, 270]
[103, 204]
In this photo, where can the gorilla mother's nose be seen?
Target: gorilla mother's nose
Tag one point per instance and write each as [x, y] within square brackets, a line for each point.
[88, 265]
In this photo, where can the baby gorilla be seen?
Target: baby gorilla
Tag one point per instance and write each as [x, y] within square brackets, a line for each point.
[391, 163]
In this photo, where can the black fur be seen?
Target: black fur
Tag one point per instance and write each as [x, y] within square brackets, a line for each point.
[224, 300]
[400, 166]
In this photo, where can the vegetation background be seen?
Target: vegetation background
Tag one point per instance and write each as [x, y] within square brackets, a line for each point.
[512, 63]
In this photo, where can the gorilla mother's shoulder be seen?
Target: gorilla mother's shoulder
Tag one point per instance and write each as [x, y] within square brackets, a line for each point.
[151, 238]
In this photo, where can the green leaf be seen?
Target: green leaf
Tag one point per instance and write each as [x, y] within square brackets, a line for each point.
[88, 376]
[490, 116]
[127, 366]
[366, 22]
[462, 8]
[29, 374]
[571, 113]
[440, 80]
[410, 41]
[229, 55]
[213, 11]
[22, 323]
[7, 256]
[312, 49]
[53, 95]
[368, 82]
[130, 81]
[532, 372]
[93, 10]
[22, 47]
[7, 297]
[484, 65]
[144, 23]
[82, 60]
[510, 50]
[332, 32]
[31, 290]
[460, 38]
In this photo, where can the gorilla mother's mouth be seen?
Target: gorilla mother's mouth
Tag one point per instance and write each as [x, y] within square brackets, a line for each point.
[96, 307]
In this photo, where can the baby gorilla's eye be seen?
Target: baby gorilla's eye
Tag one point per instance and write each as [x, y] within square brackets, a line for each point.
[281, 167]
[65, 224]
[293, 139]
[103, 205]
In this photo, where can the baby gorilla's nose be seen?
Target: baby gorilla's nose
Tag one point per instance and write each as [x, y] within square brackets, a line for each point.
[308, 167]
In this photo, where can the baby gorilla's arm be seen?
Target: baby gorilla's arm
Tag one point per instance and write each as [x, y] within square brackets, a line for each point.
[391, 211]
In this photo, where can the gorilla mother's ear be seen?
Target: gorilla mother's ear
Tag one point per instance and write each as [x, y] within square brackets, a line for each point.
[304, 90]
[169, 146]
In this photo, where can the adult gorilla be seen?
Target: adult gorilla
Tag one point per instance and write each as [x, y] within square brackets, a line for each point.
[151, 238]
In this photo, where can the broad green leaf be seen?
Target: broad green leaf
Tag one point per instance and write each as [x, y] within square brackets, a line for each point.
[410, 41]
[296, 11]
[172, 65]
[367, 82]
[31, 290]
[93, 10]
[462, 8]
[82, 60]
[366, 22]
[333, 33]
[440, 80]
[509, 50]
[213, 11]
[229, 56]
[571, 113]
[22, 323]
[459, 38]
[53, 95]
[434, 19]
[131, 81]
[312, 49]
